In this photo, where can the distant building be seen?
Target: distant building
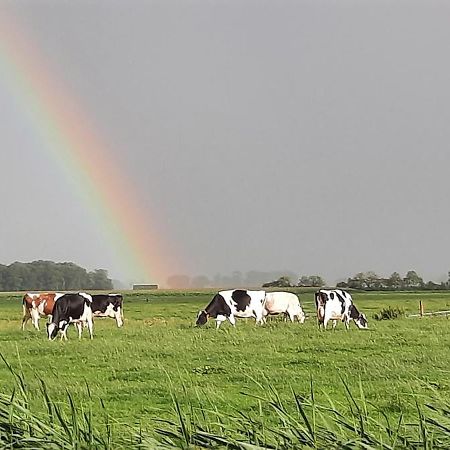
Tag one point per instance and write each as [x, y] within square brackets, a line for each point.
[144, 287]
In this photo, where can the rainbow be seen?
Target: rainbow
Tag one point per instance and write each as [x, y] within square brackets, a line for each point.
[67, 139]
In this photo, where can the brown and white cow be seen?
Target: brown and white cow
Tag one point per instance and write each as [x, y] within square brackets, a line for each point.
[37, 304]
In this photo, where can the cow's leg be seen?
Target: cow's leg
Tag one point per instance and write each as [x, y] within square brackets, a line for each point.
[219, 319]
[119, 317]
[63, 331]
[259, 317]
[232, 320]
[26, 316]
[347, 323]
[79, 326]
[90, 325]
[264, 316]
[35, 318]
[334, 324]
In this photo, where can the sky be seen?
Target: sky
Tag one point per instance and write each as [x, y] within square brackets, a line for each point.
[309, 136]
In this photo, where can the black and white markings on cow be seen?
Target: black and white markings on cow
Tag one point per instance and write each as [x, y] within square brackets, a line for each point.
[108, 305]
[216, 307]
[337, 305]
[71, 308]
[341, 299]
[360, 319]
[229, 304]
[241, 299]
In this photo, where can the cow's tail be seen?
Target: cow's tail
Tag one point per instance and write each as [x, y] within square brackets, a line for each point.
[24, 300]
[26, 303]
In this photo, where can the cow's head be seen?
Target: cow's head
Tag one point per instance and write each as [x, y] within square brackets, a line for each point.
[202, 318]
[52, 331]
[301, 317]
[361, 321]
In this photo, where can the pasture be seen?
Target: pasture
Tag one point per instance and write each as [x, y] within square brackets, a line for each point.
[160, 367]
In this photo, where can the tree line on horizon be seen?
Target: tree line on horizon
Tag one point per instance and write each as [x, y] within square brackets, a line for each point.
[235, 279]
[362, 281]
[368, 281]
[66, 276]
[51, 276]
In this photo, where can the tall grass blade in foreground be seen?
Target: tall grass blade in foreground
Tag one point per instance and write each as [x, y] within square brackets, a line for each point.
[273, 423]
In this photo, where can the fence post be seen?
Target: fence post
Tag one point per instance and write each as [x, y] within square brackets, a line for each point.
[421, 308]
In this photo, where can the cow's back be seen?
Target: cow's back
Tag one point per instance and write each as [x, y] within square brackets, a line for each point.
[46, 303]
[100, 302]
[281, 301]
[69, 305]
[334, 303]
[244, 303]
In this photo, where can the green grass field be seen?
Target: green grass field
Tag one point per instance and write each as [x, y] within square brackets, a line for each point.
[133, 374]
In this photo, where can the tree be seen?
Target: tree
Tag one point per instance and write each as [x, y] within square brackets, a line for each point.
[412, 280]
[281, 282]
[372, 280]
[358, 281]
[395, 281]
[311, 281]
[51, 276]
[317, 281]
[99, 279]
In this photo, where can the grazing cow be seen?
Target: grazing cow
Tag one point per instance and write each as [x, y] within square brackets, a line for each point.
[71, 308]
[231, 304]
[283, 303]
[337, 305]
[108, 305]
[36, 305]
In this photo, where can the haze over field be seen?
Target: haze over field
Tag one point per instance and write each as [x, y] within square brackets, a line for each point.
[310, 136]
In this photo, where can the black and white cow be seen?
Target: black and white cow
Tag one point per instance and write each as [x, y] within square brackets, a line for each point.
[233, 303]
[108, 305]
[337, 305]
[71, 308]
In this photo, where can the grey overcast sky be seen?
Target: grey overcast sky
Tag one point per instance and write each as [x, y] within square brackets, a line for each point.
[310, 136]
